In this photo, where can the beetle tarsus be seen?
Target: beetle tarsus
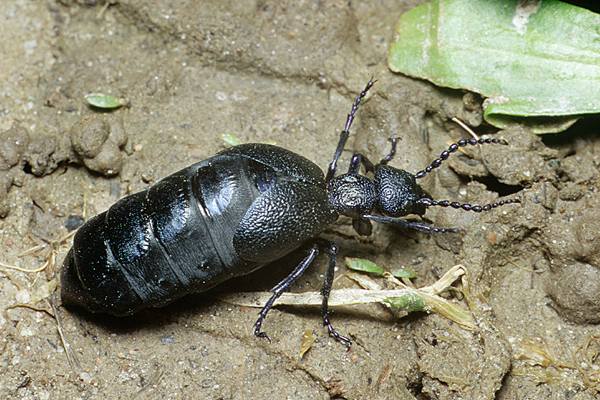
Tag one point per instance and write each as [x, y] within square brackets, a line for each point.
[390, 156]
[334, 333]
[260, 334]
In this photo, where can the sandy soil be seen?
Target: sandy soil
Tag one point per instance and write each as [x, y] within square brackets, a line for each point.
[282, 72]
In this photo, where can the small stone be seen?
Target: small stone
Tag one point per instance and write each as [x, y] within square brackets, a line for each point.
[167, 339]
[73, 222]
[86, 377]
[575, 290]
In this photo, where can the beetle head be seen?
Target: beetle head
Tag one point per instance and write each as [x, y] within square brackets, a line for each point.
[398, 193]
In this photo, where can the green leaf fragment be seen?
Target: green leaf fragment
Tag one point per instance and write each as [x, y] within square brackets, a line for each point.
[404, 273]
[105, 101]
[230, 139]
[537, 62]
[363, 265]
[411, 302]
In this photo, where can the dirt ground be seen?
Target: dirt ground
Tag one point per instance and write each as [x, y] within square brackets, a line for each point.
[282, 72]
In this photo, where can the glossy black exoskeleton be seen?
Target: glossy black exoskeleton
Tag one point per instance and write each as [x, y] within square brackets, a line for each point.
[234, 213]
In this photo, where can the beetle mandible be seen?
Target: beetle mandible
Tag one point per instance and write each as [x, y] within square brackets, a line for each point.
[235, 212]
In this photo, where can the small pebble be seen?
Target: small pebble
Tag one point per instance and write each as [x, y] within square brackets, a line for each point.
[73, 222]
[167, 339]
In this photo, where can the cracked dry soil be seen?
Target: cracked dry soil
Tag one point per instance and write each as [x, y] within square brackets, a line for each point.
[282, 72]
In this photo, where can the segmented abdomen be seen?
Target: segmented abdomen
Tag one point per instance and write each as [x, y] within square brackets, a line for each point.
[160, 244]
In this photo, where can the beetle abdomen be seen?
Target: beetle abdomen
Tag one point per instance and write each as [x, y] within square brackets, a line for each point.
[160, 244]
[176, 237]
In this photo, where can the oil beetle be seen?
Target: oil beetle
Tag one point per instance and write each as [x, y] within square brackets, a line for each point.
[236, 212]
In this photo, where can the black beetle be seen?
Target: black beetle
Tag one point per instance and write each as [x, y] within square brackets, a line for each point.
[234, 213]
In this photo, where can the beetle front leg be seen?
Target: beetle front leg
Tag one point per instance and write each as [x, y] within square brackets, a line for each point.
[282, 287]
[331, 249]
[414, 225]
[356, 161]
[346, 131]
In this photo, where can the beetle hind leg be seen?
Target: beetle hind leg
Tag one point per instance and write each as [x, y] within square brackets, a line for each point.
[331, 250]
[282, 287]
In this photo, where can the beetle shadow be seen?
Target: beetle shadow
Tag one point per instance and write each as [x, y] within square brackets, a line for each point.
[147, 319]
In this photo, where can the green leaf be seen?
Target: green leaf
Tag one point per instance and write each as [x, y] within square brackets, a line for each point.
[230, 139]
[105, 101]
[410, 302]
[404, 272]
[363, 265]
[537, 62]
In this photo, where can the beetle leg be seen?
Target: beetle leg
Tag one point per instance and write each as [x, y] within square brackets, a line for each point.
[390, 156]
[282, 287]
[356, 161]
[362, 226]
[407, 224]
[346, 131]
[331, 249]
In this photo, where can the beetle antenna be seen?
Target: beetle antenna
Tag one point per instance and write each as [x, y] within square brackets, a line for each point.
[346, 131]
[452, 148]
[427, 202]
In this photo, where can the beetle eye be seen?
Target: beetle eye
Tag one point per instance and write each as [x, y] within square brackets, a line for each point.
[265, 180]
